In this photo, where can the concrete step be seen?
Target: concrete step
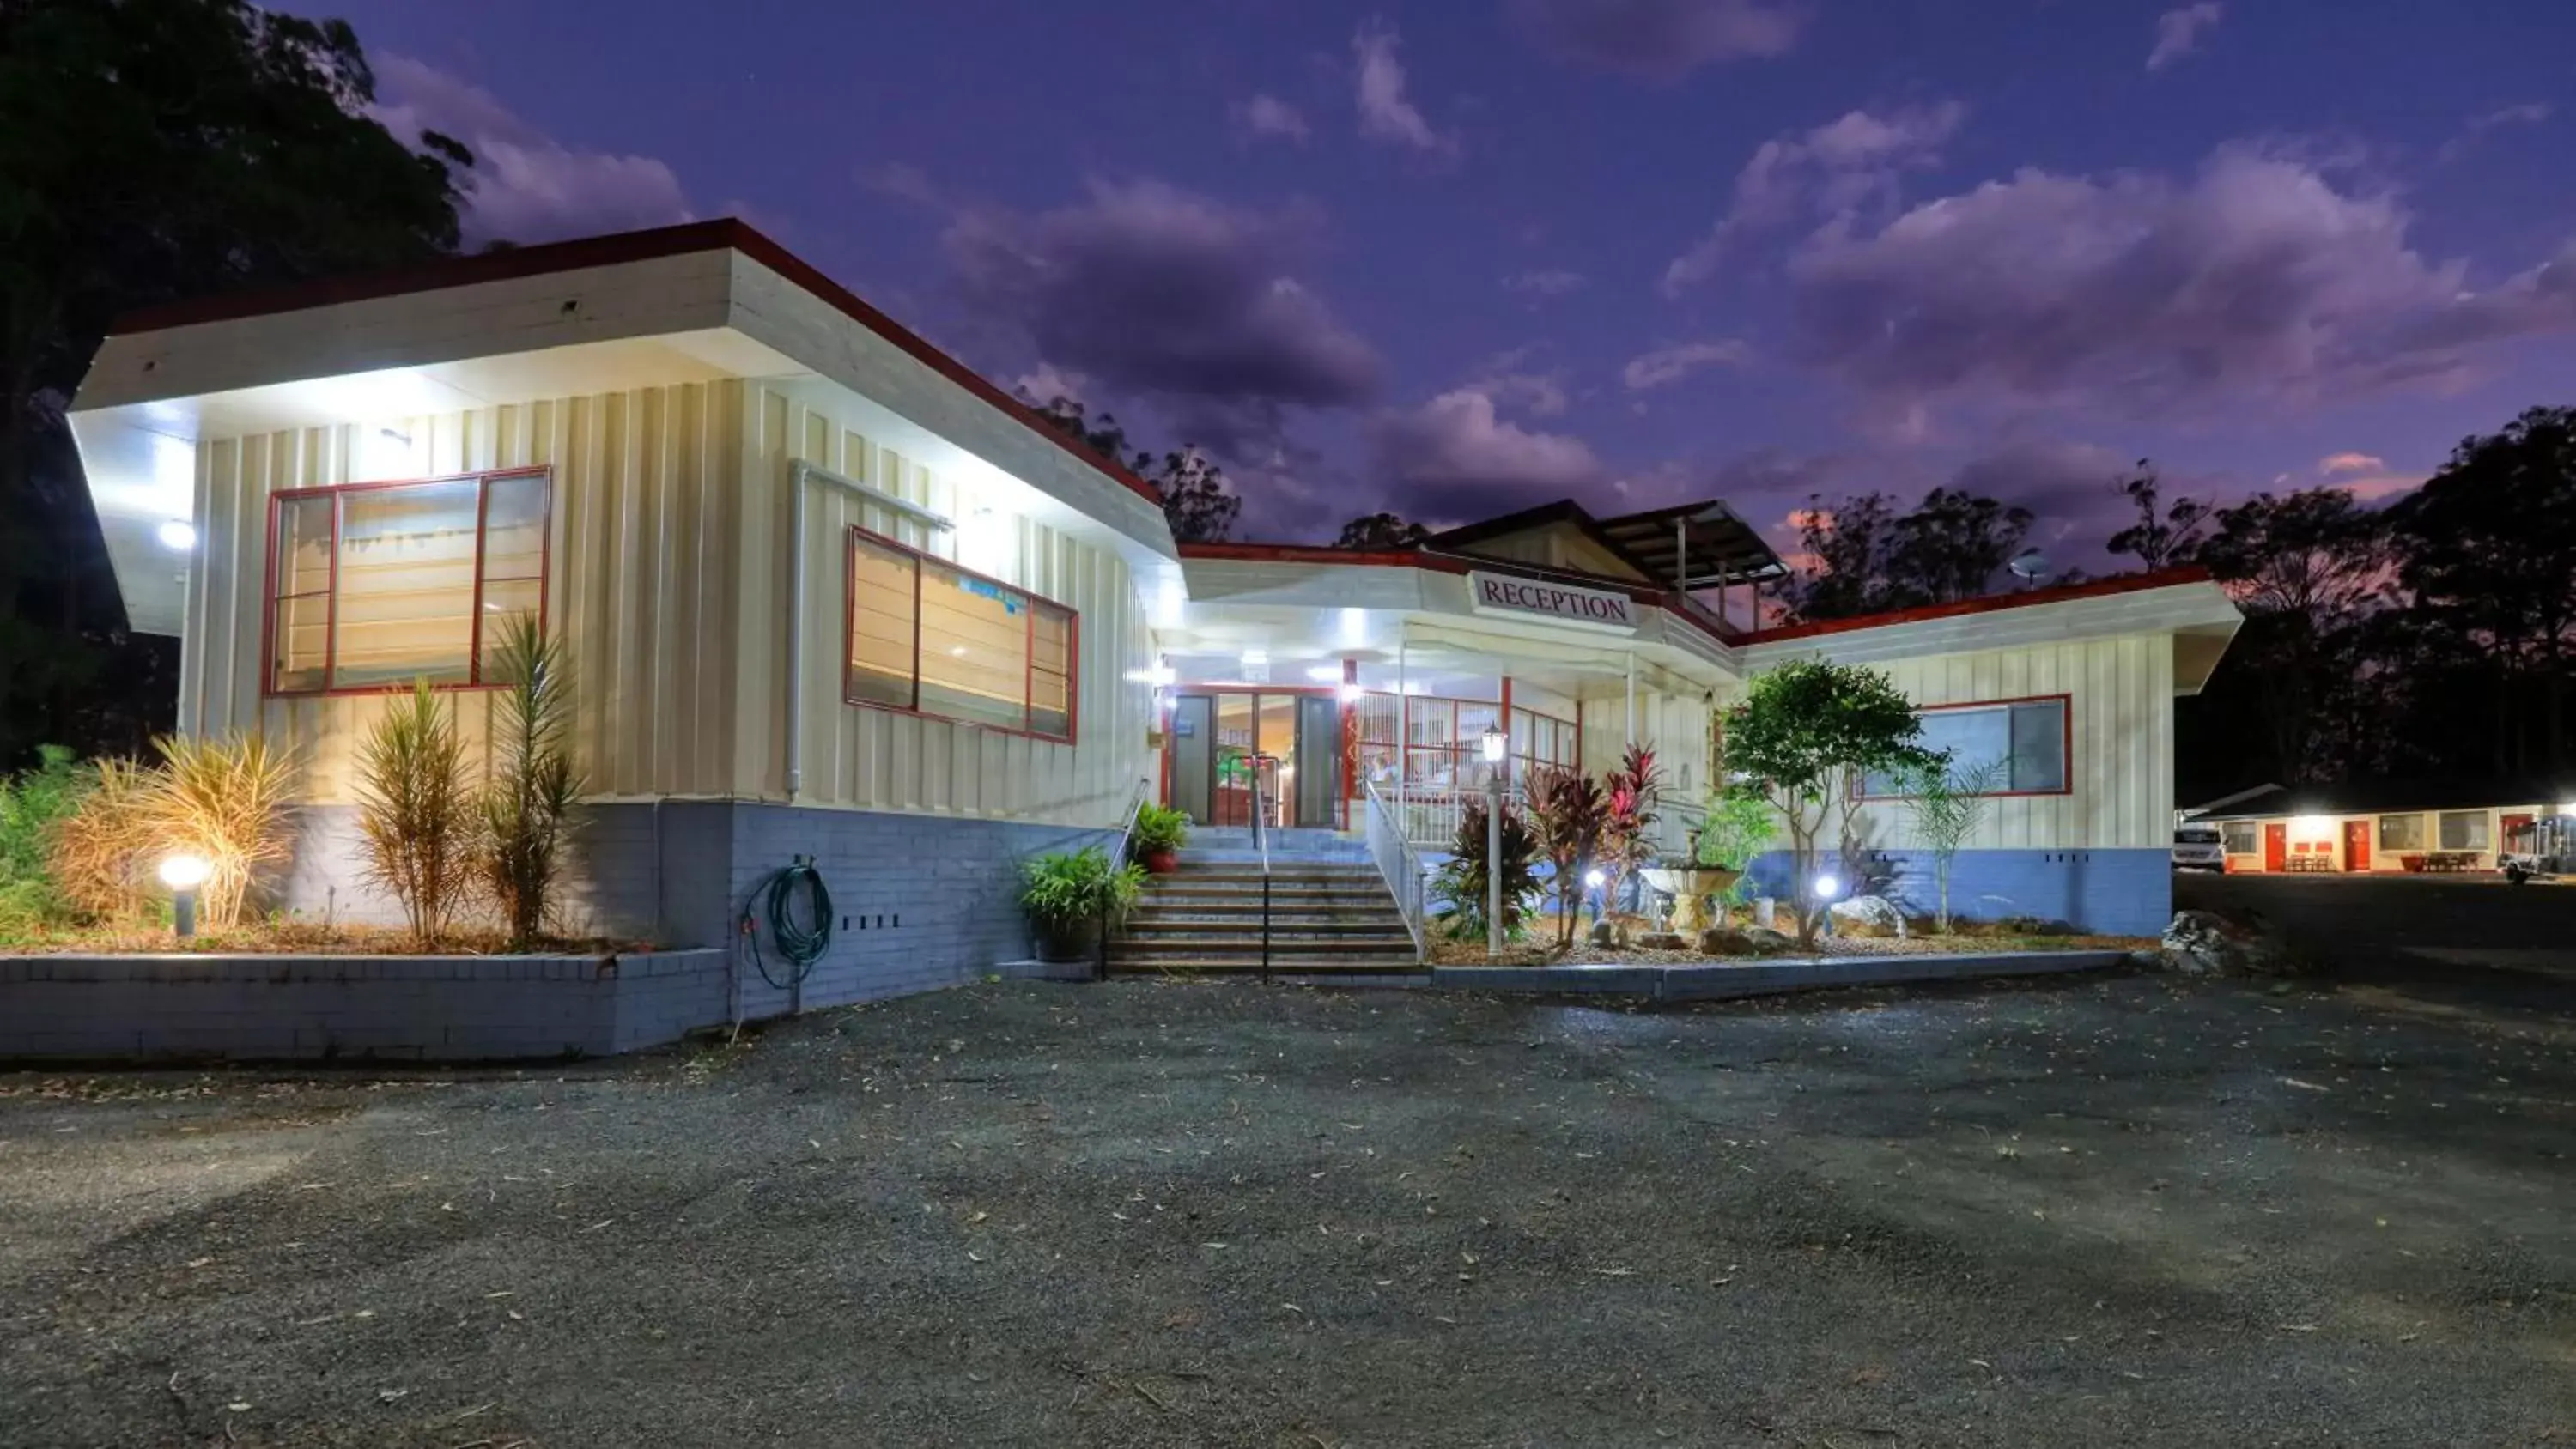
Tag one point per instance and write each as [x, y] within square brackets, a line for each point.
[1390, 965]
[1279, 870]
[1154, 932]
[1247, 915]
[1281, 947]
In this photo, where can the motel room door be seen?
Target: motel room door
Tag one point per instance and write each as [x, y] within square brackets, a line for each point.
[2356, 845]
[2276, 847]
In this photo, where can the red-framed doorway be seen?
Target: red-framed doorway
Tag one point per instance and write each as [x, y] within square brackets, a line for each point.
[2356, 845]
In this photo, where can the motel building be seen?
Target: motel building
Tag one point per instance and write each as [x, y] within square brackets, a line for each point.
[2381, 827]
[830, 596]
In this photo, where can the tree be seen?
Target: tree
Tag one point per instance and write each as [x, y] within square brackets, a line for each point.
[2308, 568]
[1808, 733]
[1947, 800]
[152, 150]
[1382, 531]
[1197, 503]
[2158, 540]
[1868, 558]
[2487, 550]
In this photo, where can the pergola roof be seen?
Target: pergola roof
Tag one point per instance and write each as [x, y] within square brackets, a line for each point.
[1719, 547]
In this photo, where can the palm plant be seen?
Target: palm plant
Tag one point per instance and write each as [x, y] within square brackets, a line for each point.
[417, 814]
[222, 798]
[1628, 815]
[1463, 879]
[1567, 808]
[528, 813]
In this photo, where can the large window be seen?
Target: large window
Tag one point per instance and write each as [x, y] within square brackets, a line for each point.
[2241, 837]
[374, 585]
[2024, 742]
[929, 638]
[2401, 832]
[2464, 830]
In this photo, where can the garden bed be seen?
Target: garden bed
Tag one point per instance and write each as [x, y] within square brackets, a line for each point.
[1445, 952]
[297, 936]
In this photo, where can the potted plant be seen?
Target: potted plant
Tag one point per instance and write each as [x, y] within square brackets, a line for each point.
[1157, 837]
[1070, 895]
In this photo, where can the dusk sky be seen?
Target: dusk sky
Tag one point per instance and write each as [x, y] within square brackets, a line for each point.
[1454, 259]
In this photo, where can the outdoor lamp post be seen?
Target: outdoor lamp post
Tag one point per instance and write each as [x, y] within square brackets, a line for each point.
[1494, 743]
[183, 873]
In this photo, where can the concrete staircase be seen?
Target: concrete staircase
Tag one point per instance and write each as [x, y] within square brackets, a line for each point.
[1330, 911]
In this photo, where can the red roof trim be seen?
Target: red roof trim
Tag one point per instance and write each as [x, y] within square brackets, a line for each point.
[1992, 603]
[609, 251]
[1439, 563]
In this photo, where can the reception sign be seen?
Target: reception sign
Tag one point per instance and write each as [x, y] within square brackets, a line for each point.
[1501, 594]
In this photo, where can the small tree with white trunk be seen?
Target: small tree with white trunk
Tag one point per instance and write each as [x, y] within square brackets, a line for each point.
[1947, 802]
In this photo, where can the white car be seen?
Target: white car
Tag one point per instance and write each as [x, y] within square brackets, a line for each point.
[2199, 847]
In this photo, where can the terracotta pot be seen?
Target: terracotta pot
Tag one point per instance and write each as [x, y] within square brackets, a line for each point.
[1159, 862]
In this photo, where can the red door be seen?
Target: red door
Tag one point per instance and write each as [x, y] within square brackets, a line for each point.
[2276, 846]
[2356, 845]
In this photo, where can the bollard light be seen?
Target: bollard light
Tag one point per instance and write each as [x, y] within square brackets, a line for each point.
[184, 872]
[1827, 887]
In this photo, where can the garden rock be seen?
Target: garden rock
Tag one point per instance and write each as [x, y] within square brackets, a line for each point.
[1745, 941]
[2205, 943]
[1663, 941]
[1867, 916]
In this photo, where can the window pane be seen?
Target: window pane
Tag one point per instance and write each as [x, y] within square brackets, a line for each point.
[303, 546]
[2039, 746]
[2464, 830]
[2401, 832]
[881, 625]
[2240, 837]
[1051, 678]
[974, 649]
[303, 632]
[406, 584]
[503, 600]
[514, 529]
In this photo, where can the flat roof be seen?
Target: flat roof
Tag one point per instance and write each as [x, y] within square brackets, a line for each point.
[724, 233]
[1988, 604]
[2388, 797]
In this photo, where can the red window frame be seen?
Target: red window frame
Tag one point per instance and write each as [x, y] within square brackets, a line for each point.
[2066, 730]
[1029, 647]
[483, 479]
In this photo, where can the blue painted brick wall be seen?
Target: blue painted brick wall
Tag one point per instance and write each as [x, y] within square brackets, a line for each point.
[2115, 892]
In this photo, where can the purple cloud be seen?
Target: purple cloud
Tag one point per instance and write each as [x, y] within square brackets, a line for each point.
[1665, 366]
[1456, 458]
[1660, 40]
[2178, 32]
[1269, 116]
[1385, 113]
[1154, 291]
[1825, 176]
[526, 186]
[1541, 284]
[2256, 277]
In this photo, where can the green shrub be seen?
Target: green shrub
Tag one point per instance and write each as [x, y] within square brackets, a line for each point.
[1158, 828]
[32, 808]
[1065, 888]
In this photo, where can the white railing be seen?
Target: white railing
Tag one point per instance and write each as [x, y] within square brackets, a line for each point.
[1398, 863]
[1432, 812]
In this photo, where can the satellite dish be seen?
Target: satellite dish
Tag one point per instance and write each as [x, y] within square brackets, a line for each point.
[2029, 566]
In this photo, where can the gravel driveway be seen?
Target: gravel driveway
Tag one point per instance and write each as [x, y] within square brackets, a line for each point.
[2109, 1211]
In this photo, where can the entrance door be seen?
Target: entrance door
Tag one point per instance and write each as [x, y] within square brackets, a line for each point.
[1194, 757]
[2356, 845]
[2276, 846]
[1318, 759]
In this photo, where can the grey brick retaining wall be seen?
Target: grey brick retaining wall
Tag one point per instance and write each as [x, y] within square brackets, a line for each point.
[412, 1008]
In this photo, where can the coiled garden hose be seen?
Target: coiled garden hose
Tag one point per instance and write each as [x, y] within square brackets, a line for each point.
[799, 946]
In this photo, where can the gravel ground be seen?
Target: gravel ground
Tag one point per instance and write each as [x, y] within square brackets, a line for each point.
[2120, 1210]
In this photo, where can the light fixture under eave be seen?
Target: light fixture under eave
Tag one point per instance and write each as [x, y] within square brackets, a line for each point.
[177, 535]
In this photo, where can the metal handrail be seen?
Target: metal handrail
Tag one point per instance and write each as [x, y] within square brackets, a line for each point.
[1118, 861]
[1261, 843]
[1403, 875]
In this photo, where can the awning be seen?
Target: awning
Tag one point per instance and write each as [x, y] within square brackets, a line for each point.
[1719, 547]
